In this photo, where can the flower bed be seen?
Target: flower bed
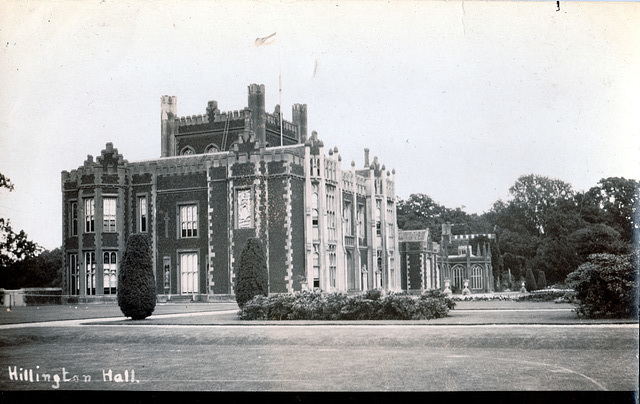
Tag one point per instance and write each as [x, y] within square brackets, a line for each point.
[371, 305]
[544, 295]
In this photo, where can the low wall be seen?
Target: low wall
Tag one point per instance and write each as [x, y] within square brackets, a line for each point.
[30, 297]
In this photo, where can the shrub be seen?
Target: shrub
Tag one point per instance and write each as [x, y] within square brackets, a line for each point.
[136, 285]
[313, 305]
[373, 294]
[607, 286]
[251, 279]
[542, 280]
[530, 281]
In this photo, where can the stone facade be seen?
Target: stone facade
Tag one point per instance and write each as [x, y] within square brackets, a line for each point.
[426, 264]
[224, 177]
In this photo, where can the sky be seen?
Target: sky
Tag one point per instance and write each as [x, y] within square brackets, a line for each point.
[460, 98]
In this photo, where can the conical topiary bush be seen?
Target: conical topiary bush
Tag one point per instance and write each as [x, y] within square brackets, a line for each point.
[251, 278]
[136, 285]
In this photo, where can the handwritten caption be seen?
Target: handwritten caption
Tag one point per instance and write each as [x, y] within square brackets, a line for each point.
[55, 379]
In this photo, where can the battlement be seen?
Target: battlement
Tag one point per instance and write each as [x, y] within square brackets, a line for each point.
[273, 121]
[461, 237]
[256, 89]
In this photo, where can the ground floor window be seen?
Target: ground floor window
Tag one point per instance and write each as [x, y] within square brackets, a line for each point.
[90, 272]
[332, 266]
[189, 273]
[476, 277]
[316, 270]
[74, 276]
[110, 272]
[458, 277]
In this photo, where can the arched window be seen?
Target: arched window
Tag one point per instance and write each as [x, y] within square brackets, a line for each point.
[476, 277]
[212, 148]
[458, 276]
[187, 151]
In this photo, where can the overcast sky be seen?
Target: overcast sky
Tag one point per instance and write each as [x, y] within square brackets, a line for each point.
[460, 98]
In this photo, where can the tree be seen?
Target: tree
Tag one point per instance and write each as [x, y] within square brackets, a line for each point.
[14, 247]
[595, 239]
[557, 258]
[251, 279]
[615, 197]
[542, 280]
[42, 270]
[136, 284]
[420, 211]
[530, 281]
[536, 197]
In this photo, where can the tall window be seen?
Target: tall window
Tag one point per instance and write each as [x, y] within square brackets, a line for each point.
[110, 273]
[348, 229]
[316, 268]
[188, 221]
[361, 223]
[244, 209]
[109, 215]
[476, 277]
[142, 214]
[314, 213]
[378, 274]
[330, 198]
[458, 276]
[378, 219]
[391, 230]
[189, 273]
[332, 265]
[89, 215]
[74, 218]
[74, 279]
[90, 272]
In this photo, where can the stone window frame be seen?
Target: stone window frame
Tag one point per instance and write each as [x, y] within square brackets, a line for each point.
[195, 221]
[110, 219]
[143, 227]
[89, 213]
[187, 151]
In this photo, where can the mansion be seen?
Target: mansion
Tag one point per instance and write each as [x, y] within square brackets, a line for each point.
[224, 177]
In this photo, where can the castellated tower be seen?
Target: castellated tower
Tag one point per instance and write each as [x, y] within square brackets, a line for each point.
[299, 114]
[258, 114]
[168, 114]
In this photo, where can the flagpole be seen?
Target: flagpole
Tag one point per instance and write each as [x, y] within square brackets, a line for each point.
[280, 94]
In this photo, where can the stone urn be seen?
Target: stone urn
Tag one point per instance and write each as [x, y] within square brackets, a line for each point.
[447, 287]
[523, 289]
[465, 290]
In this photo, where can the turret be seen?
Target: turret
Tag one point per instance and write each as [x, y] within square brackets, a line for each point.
[299, 114]
[168, 114]
[258, 114]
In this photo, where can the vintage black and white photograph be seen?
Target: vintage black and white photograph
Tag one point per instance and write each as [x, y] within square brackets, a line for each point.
[319, 196]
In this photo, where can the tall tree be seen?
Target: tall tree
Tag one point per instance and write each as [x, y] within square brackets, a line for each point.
[615, 197]
[14, 246]
[537, 197]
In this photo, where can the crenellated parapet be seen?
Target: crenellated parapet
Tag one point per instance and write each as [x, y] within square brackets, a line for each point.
[110, 158]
